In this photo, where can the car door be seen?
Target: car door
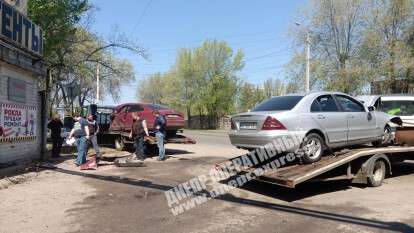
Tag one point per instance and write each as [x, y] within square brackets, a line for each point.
[326, 112]
[128, 119]
[361, 123]
[117, 122]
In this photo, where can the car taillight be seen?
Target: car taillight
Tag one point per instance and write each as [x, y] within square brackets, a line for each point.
[272, 123]
[233, 125]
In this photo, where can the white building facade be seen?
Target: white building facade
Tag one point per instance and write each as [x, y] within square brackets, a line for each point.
[22, 78]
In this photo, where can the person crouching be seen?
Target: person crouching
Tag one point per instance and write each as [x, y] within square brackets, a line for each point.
[138, 131]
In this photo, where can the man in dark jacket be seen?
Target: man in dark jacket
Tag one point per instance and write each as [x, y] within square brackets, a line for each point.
[55, 126]
[159, 129]
[93, 132]
[138, 131]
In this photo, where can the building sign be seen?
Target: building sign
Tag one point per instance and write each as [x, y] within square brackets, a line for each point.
[17, 122]
[16, 89]
[18, 29]
[20, 5]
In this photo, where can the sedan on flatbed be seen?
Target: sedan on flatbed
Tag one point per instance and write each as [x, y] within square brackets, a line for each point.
[321, 121]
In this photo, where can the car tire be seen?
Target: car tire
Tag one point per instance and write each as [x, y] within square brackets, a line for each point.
[312, 148]
[378, 173]
[386, 138]
[119, 144]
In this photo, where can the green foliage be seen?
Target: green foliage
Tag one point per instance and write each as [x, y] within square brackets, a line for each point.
[74, 54]
[354, 43]
[203, 80]
[58, 19]
[250, 95]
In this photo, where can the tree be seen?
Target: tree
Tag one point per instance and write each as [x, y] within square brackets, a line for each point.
[358, 43]
[58, 20]
[204, 80]
[250, 95]
[273, 87]
[217, 67]
[73, 53]
[387, 48]
[335, 27]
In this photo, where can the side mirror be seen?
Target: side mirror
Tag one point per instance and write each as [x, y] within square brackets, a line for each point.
[371, 108]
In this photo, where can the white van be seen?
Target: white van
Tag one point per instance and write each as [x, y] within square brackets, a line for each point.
[397, 105]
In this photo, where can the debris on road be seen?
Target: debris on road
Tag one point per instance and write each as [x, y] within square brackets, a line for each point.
[128, 162]
[46, 165]
[115, 154]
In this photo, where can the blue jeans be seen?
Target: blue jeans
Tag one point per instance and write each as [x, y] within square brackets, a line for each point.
[94, 141]
[82, 144]
[139, 147]
[160, 143]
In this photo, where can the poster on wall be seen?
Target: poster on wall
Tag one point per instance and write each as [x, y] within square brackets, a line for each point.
[17, 122]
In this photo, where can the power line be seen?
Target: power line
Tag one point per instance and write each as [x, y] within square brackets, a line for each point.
[141, 16]
[219, 38]
[232, 44]
[278, 52]
[271, 54]
[204, 70]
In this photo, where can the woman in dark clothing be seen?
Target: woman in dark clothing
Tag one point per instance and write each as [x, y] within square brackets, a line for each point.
[138, 131]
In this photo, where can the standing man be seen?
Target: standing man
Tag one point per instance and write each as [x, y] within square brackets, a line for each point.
[139, 130]
[55, 126]
[159, 128]
[93, 131]
[81, 132]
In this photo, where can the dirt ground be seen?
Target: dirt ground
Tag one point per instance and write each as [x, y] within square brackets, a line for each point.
[114, 199]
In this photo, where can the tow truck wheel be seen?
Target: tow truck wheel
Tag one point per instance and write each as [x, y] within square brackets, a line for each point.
[378, 173]
[119, 144]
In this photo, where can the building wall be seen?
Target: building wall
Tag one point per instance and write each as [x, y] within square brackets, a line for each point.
[25, 149]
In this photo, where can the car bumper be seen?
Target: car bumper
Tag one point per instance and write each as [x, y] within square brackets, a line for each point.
[255, 139]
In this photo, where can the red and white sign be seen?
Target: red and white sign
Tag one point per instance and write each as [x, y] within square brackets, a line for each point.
[17, 121]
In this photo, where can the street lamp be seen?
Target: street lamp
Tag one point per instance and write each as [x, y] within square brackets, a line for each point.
[308, 42]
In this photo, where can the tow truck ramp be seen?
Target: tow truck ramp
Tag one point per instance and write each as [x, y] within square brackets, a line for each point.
[362, 165]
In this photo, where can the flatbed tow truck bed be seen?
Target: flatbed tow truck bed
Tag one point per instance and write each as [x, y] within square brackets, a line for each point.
[358, 164]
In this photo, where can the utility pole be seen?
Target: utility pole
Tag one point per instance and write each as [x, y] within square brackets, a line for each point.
[307, 48]
[308, 42]
[97, 84]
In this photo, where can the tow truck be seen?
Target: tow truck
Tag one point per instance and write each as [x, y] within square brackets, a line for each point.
[363, 164]
[104, 115]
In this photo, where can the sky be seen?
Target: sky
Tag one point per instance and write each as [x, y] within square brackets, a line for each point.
[260, 28]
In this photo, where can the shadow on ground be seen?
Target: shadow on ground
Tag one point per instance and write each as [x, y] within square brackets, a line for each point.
[277, 192]
[309, 189]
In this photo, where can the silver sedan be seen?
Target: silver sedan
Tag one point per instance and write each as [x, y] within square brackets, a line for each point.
[321, 121]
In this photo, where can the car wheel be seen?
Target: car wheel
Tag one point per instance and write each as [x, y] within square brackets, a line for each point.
[386, 138]
[378, 174]
[312, 148]
[119, 144]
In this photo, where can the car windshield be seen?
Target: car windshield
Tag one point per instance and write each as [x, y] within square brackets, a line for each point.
[158, 106]
[398, 107]
[105, 110]
[279, 103]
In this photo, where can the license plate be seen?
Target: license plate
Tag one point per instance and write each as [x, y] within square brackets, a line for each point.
[248, 125]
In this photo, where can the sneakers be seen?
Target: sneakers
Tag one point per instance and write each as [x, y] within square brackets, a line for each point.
[160, 159]
[134, 157]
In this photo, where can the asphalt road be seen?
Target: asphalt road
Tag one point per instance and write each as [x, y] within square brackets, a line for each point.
[213, 138]
[133, 199]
